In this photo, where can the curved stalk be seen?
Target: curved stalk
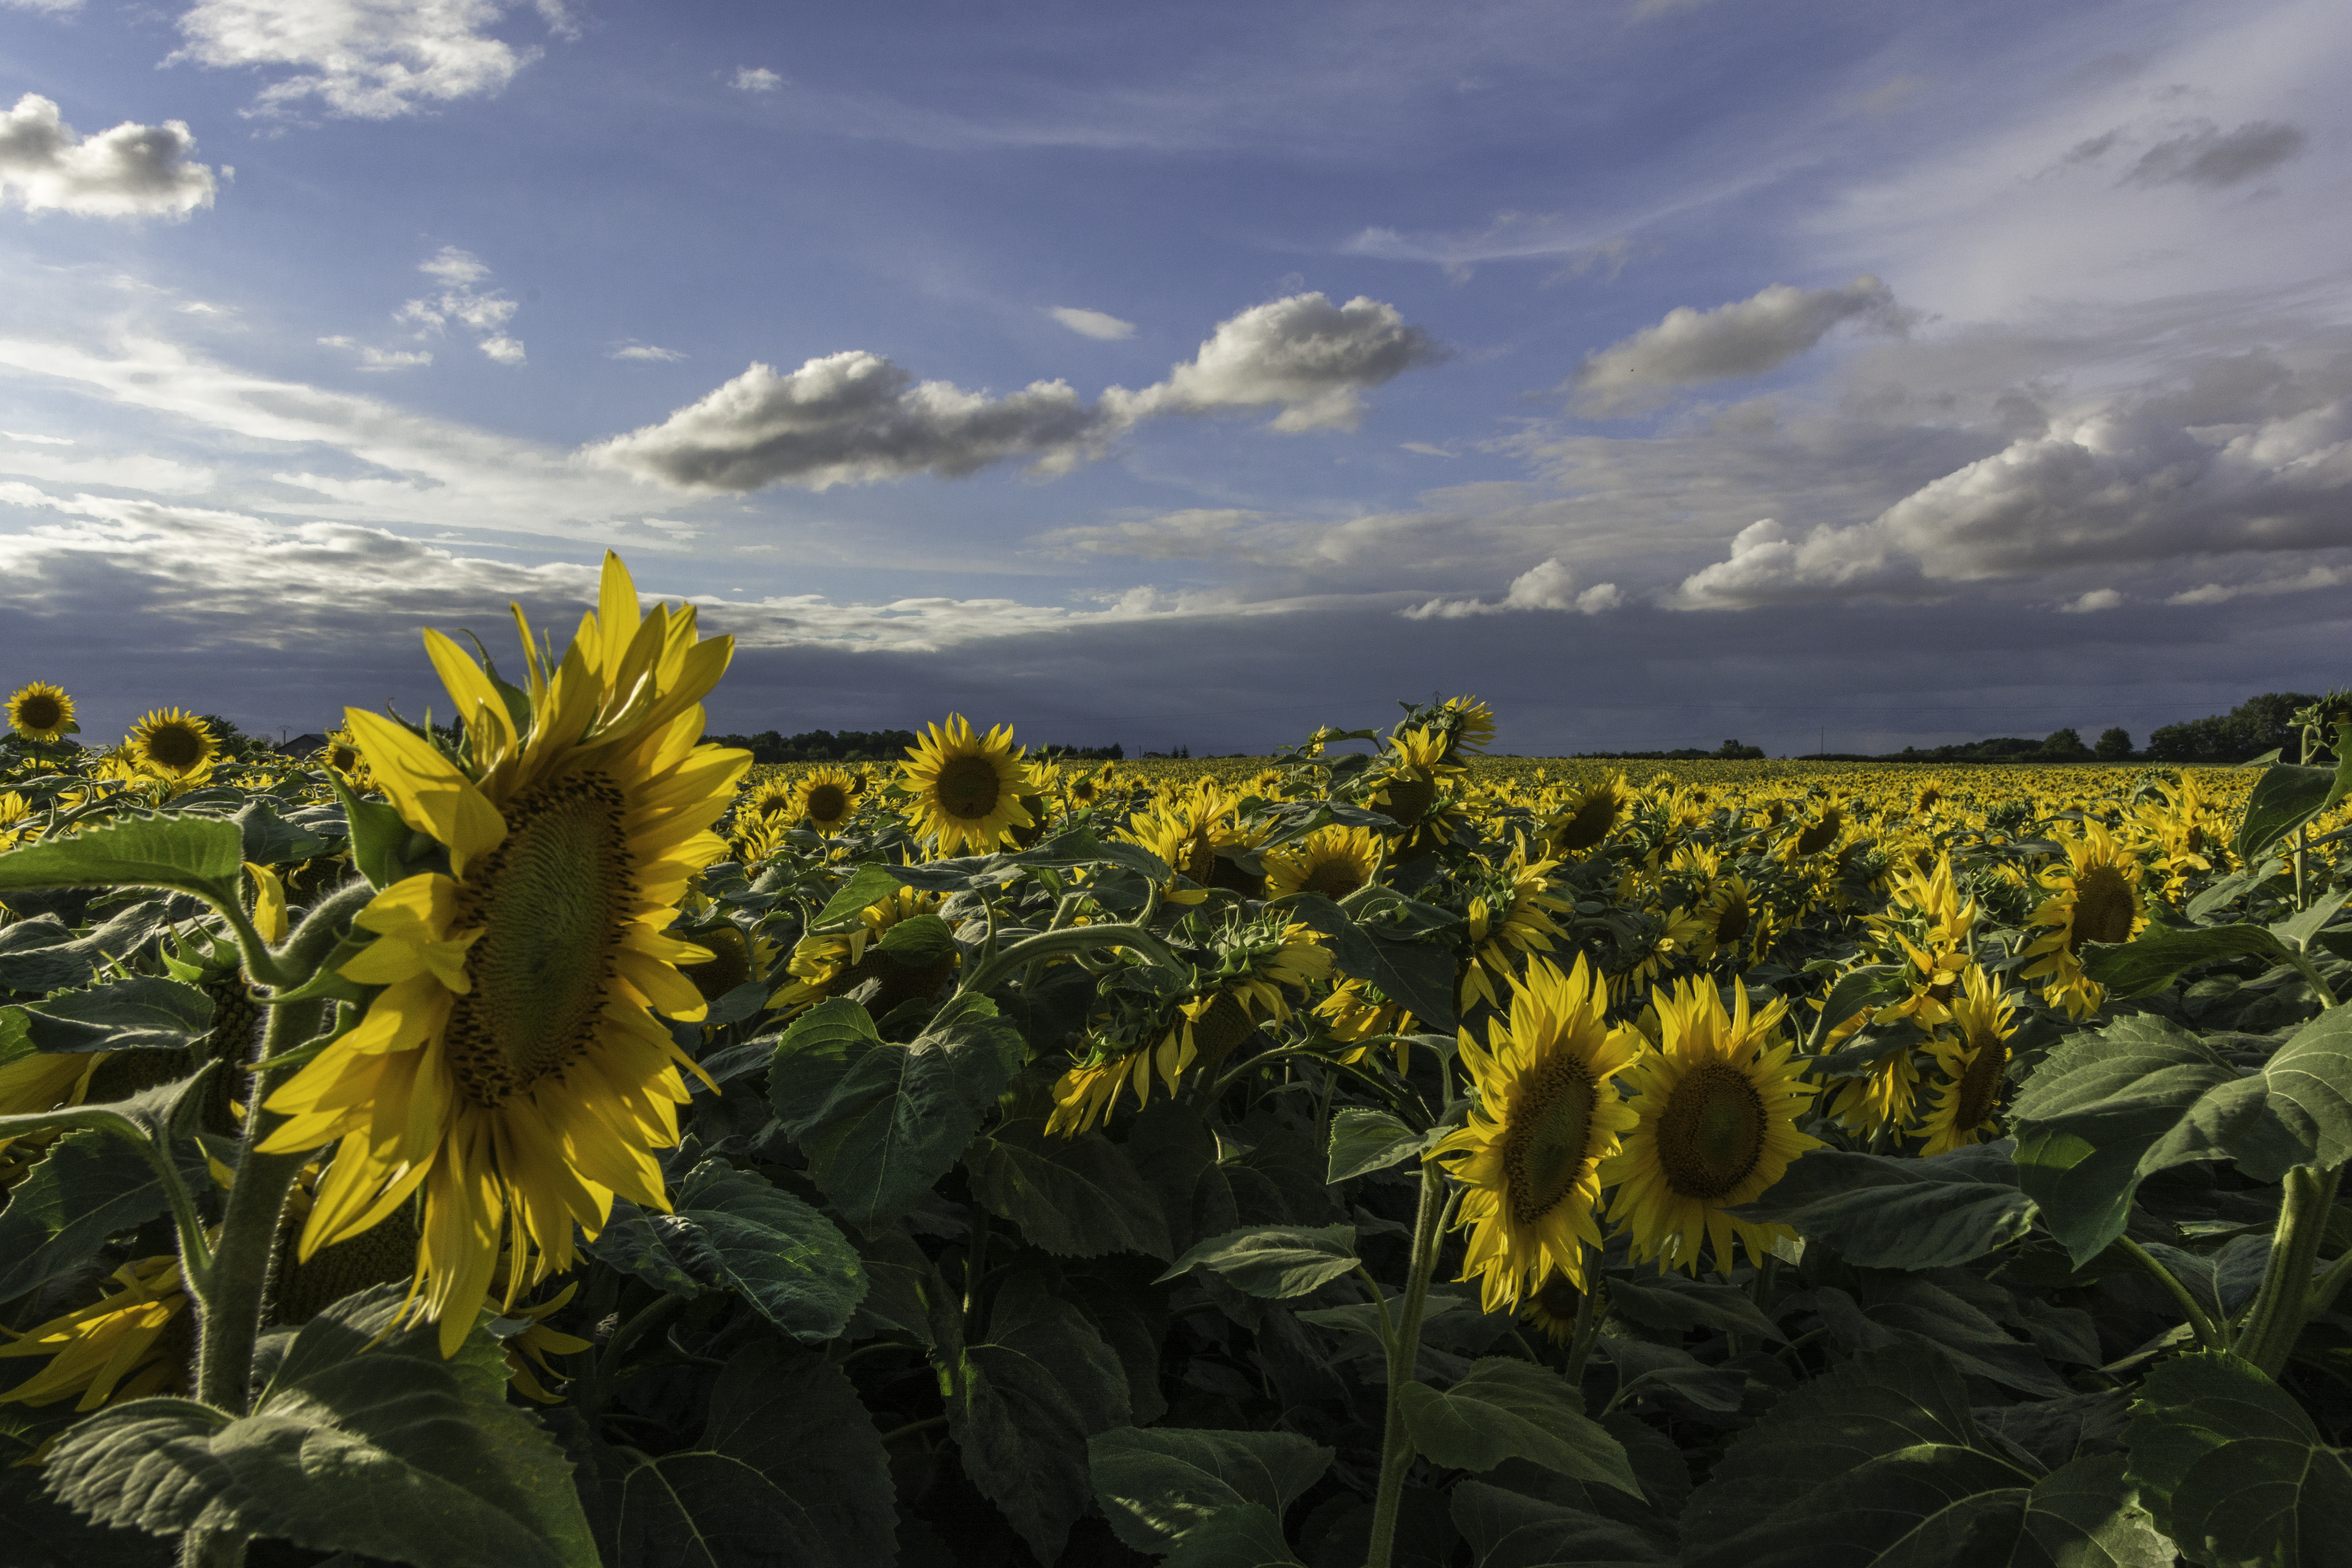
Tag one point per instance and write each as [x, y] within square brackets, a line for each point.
[987, 975]
[2211, 1335]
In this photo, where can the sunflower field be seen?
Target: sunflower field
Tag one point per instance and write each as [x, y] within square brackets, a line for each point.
[533, 1141]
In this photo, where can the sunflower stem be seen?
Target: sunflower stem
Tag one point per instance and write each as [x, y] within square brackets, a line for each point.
[1404, 1359]
[985, 977]
[2211, 1337]
[229, 1299]
[1587, 1330]
[2287, 1300]
[975, 1266]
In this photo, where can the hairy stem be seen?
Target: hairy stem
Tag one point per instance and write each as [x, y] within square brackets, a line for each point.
[1404, 1359]
[2285, 1304]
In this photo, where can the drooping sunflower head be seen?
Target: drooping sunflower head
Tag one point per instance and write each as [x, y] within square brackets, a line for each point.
[129, 1343]
[1410, 776]
[825, 798]
[510, 1065]
[1972, 1060]
[1333, 861]
[1718, 1103]
[40, 711]
[1549, 1115]
[899, 941]
[1585, 817]
[1466, 723]
[172, 745]
[1730, 910]
[2094, 896]
[964, 789]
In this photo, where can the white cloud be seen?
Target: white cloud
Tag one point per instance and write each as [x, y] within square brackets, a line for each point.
[1091, 323]
[367, 60]
[856, 417]
[1746, 337]
[1547, 585]
[461, 302]
[1766, 566]
[2304, 582]
[36, 440]
[1304, 355]
[756, 78]
[2092, 603]
[131, 170]
[851, 418]
[380, 358]
[53, 8]
[645, 351]
[2214, 158]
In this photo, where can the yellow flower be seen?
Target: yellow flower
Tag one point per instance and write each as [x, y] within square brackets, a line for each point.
[825, 798]
[1718, 1103]
[825, 965]
[40, 711]
[122, 1346]
[532, 1347]
[2094, 897]
[172, 746]
[1585, 817]
[1546, 1118]
[511, 1067]
[966, 790]
[1524, 925]
[1972, 1065]
[1333, 861]
[1410, 776]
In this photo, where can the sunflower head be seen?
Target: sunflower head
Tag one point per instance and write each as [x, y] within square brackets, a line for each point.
[43, 712]
[172, 745]
[1549, 1115]
[1972, 1060]
[2093, 895]
[1333, 861]
[825, 798]
[965, 790]
[131, 1342]
[1586, 816]
[1717, 1105]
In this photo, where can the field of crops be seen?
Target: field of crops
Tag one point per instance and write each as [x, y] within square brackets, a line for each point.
[550, 1142]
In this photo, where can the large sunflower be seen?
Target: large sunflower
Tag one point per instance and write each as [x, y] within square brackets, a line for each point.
[172, 746]
[40, 711]
[1718, 1103]
[511, 1067]
[1584, 818]
[1333, 861]
[1415, 770]
[1547, 1115]
[965, 790]
[1973, 1060]
[825, 798]
[2092, 897]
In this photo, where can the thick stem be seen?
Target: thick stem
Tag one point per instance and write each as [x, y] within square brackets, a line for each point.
[986, 976]
[1588, 1322]
[2285, 1302]
[229, 1319]
[2302, 858]
[1404, 1359]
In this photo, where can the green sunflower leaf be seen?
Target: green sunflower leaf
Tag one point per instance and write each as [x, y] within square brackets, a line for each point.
[1274, 1262]
[197, 854]
[1157, 1485]
[868, 886]
[1247, 1535]
[2284, 799]
[91, 1185]
[142, 1011]
[1508, 1530]
[1513, 1409]
[1365, 1139]
[881, 1121]
[2144, 967]
[1883, 1212]
[1024, 1404]
[733, 1230]
[390, 1452]
[790, 1471]
[2232, 1467]
[1075, 1197]
[1881, 1463]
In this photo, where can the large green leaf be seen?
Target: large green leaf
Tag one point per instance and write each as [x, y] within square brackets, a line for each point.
[1674, 1300]
[93, 1185]
[1882, 1212]
[1024, 1404]
[2307, 1084]
[2101, 1112]
[388, 1451]
[1076, 1198]
[139, 1012]
[266, 838]
[733, 1230]
[1247, 1535]
[196, 855]
[868, 886]
[1274, 1262]
[1156, 1484]
[1880, 1463]
[790, 1473]
[2283, 798]
[1509, 1530]
[879, 1122]
[1513, 1409]
[2144, 967]
[2233, 1470]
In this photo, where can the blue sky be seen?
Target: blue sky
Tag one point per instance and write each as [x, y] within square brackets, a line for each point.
[1662, 369]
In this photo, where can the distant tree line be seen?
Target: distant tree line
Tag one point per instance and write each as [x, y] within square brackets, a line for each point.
[822, 745]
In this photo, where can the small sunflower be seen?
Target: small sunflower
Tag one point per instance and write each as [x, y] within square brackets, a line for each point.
[1357, 1010]
[511, 1067]
[831, 963]
[1333, 861]
[1547, 1118]
[42, 712]
[172, 746]
[1727, 912]
[1510, 920]
[1586, 816]
[965, 790]
[825, 798]
[1972, 1061]
[1406, 789]
[125, 1345]
[1718, 1103]
[2094, 897]
[1550, 1310]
